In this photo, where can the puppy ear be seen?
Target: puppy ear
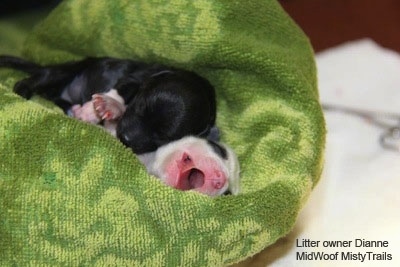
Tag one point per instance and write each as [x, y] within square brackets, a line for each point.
[214, 134]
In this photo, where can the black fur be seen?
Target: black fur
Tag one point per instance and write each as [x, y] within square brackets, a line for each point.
[163, 104]
[218, 149]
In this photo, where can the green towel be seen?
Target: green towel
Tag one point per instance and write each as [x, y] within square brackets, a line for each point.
[72, 195]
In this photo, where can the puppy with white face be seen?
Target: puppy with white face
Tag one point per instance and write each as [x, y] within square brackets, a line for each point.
[192, 163]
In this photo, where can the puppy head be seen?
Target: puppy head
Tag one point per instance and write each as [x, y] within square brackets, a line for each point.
[168, 106]
[193, 163]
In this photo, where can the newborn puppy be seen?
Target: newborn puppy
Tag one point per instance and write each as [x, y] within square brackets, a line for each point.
[154, 110]
[197, 164]
[147, 105]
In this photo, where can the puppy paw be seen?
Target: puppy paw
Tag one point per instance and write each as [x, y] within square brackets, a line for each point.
[107, 108]
[23, 88]
[84, 112]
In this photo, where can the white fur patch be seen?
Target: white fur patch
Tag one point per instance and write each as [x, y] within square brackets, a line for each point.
[156, 162]
[113, 93]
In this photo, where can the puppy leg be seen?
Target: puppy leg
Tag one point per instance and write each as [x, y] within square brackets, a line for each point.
[109, 106]
[85, 112]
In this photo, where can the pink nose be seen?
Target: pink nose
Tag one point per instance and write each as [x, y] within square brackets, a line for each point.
[219, 180]
[218, 184]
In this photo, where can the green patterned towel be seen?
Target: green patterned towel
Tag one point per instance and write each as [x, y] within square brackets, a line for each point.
[72, 195]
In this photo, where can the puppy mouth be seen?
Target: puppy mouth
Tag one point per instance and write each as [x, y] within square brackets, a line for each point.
[191, 179]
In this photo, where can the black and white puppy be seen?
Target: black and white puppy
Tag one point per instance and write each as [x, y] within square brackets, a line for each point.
[161, 104]
[161, 113]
